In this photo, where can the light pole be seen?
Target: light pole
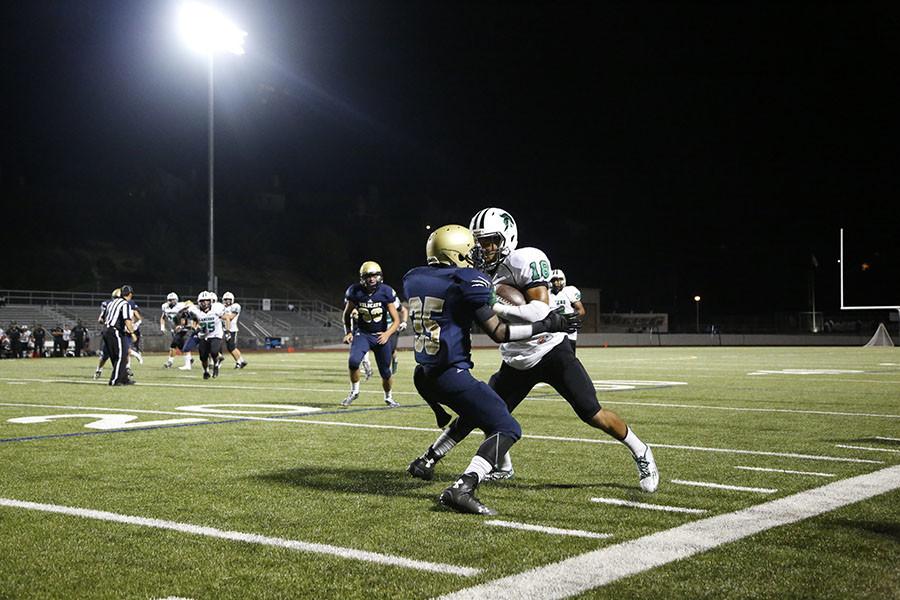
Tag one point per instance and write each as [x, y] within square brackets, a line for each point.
[207, 31]
[697, 302]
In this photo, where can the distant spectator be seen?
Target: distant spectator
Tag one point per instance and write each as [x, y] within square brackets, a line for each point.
[14, 334]
[39, 334]
[79, 334]
[67, 336]
[2, 301]
[57, 334]
[25, 341]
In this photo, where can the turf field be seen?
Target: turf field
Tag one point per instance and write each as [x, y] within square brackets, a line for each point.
[780, 471]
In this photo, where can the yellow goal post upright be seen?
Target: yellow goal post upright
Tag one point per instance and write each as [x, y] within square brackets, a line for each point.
[844, 306]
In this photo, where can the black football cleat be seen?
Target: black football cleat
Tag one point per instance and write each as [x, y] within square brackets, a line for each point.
[216, 370]
[205, 374]
[422, 468]
[461, 496]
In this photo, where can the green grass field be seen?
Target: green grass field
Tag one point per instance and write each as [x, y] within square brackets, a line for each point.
[246, 503]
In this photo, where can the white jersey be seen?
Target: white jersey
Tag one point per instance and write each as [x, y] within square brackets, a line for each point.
[170, 312]
[210, 322]
[567, 297]
[235, 309]
[525, 268]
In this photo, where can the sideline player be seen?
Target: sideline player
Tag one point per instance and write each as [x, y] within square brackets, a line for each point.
[566, 296]
[373, 300]
[173, 316]
[232, 330]
[403, 311]
[444, 298]
[544, 358]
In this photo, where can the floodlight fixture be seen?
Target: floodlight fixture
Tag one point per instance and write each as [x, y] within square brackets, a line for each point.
[697, 301]
[206, 30]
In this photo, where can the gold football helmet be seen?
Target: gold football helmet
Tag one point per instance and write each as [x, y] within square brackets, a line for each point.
[370, 274]
[453, 245]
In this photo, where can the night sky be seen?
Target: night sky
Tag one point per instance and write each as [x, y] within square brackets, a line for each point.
[655, 151]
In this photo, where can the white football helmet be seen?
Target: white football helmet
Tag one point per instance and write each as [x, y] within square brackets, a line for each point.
[204, 300]
[213, 297]
[172, 298]
[227, 298]
[495, 226]
[557, 280]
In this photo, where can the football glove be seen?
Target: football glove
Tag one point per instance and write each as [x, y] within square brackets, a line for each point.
[558, 321]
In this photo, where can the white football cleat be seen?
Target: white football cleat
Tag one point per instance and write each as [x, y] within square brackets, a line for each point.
[349, 399]
[647, 471]
[367, 368]
[390, 402]
[184, 368]
[500, 474]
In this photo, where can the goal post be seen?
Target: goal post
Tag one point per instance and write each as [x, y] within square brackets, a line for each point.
[847, 307]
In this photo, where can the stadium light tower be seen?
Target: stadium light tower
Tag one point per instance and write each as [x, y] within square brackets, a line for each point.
[205, 30]
[697, 302]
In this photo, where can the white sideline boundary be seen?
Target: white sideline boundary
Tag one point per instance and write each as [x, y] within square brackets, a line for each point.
[594, 569]
[552, 438]
[250, 538]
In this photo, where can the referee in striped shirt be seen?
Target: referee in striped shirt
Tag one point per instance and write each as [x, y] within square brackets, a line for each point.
[118, 333]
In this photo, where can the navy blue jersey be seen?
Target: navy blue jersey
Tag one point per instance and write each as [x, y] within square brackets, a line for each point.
[442, 305]
[372, 308]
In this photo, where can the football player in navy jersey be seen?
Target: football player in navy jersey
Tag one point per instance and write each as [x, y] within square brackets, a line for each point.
[444, 298]
[373, 301]
[543, 358]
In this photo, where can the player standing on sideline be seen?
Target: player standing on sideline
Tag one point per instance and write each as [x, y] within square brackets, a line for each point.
[403, 311]
[172, 315]
[101, 318]
[118, 335]
[444, 298]
[373, 300]
[544, 358]
[209, 316]
[135, 349]
[566, 296]
[231, 331]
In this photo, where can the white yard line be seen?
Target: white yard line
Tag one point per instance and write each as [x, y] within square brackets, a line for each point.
[305, 421]
[867, 448]
[579, 574]
[204, 386]
[788, 471]
[709, 449]
[250, 538]
[550, 530]
[722, 486]
[647, 506]
[887, 439]
[794, 411]
[219, 386]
